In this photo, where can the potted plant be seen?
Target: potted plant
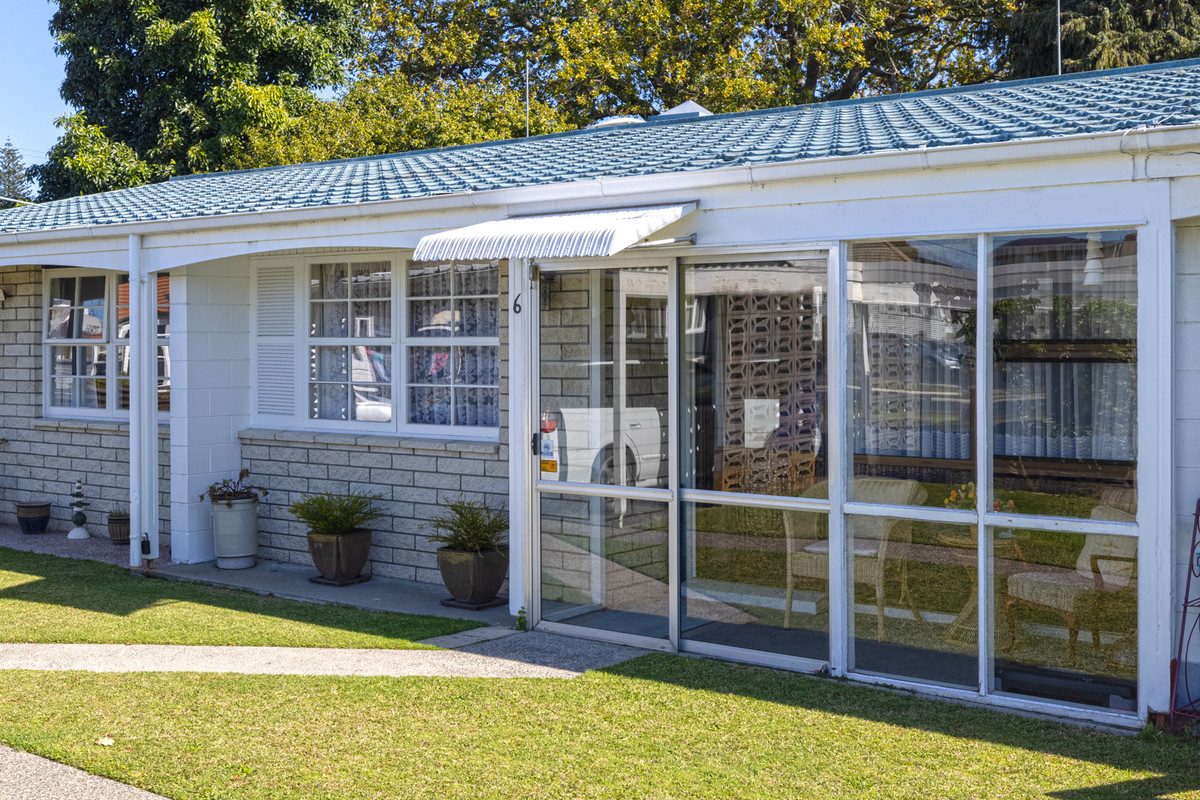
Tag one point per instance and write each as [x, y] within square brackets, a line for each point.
[337, 541]
[33, 516]
[118, 525]
[235, 520]
[473, 558]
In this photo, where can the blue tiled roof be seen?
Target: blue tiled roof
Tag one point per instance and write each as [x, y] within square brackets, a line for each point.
[1098, 102]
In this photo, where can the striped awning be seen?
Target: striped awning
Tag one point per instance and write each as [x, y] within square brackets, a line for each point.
[582, 234]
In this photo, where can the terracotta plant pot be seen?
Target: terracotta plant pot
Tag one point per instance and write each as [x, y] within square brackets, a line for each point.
[340, 558]
[473, 578]
[118, 529]
[33, 516]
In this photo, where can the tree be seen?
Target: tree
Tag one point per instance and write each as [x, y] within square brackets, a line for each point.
[388, 114]
[14, 183]
[642, 56]
[179, 82]
[85, 161]
[1096, 35]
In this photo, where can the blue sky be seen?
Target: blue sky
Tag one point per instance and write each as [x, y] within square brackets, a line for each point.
[29, 101]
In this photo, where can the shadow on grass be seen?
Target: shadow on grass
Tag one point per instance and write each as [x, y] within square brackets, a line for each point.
[115, 592]
[1174, 762]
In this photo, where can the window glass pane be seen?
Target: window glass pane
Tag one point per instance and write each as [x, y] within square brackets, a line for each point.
[329, 320]
[739, 585]
[603, 391]
[163, 305]
[371, 319]
[61, 323]
[1065, 374]
[911, 354]
[477, 407]
[372, 279]
[431, 318]
[429, 406]
[1053, 589]
[77, 377]
[477, 366]
[329, 401]
[604, 563]
[371, 364]
[122, 331]
[477, 317]
[429, 365]
[753, 376]
[328, 364]
[329, 282]
[914, 597]
[373, 402]
[478, 279]
[429, 281]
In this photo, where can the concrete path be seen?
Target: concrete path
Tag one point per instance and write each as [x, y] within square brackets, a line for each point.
[522, 655]
[27, 777]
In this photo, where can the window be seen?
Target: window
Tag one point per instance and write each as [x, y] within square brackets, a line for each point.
[86, 343]
[332, 366]
[454, 354]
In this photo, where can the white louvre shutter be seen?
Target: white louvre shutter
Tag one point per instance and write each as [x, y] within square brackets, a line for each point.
[275, 345]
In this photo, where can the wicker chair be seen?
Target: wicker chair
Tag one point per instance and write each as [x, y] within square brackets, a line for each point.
[1105, 577]
[872, 538]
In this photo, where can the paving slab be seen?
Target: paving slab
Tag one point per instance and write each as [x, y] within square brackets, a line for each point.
[29, 777]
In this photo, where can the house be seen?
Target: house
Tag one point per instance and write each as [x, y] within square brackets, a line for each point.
[900, 388]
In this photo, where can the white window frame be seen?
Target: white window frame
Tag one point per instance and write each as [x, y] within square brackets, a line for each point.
[399, 342]
[109, 341]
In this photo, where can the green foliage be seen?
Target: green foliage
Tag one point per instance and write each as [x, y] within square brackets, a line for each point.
[388, 114]
[14, 183]
[470, 526]
[590, 60]
[1096, 34]
[85, 160]
[333, 514]
[171, 87]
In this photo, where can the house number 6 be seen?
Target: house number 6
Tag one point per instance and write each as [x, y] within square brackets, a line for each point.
[517, 305]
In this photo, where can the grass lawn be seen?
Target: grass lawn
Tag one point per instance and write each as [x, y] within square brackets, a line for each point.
[659, 726]
[63, 600]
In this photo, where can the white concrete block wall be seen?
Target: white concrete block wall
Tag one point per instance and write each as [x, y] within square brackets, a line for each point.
[415, 478]
[1187, 413]
[42, 457]
[210, 340]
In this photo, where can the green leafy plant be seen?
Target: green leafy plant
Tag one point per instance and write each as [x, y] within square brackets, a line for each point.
[470, 526]
[231, 489]
[522, 620]
[119, 510]
[333, 514]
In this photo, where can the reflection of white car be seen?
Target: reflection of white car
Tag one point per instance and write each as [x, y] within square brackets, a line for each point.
[579, 445]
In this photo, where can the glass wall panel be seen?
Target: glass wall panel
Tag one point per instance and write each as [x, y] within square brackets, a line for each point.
[1051, 589]
[738, 588]
[604, 563]
[913, 598]
[911, 320]
[753, 376]
[604, 377]
[1065, 373]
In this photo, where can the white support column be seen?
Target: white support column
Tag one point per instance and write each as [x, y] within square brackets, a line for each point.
[522, 294]
[143, 406]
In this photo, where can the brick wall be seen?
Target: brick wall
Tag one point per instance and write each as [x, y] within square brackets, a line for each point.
[42, 457]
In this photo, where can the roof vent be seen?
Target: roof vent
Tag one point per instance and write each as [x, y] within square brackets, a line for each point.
[612, 122]
[691, 109]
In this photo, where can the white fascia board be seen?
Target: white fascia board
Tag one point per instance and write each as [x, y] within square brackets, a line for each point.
[602, 192]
